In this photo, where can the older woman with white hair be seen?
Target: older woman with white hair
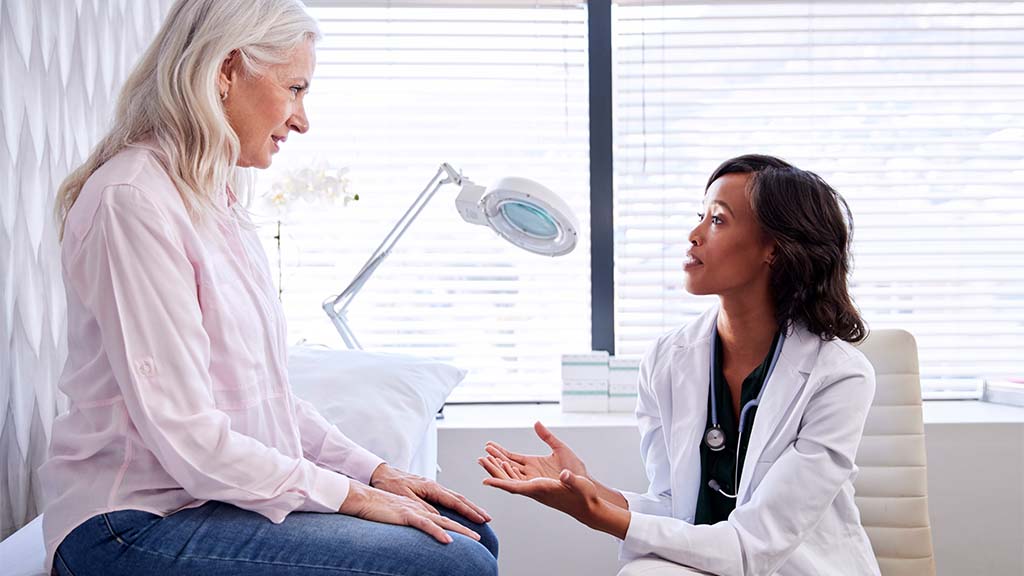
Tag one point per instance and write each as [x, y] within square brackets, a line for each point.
[184, 450]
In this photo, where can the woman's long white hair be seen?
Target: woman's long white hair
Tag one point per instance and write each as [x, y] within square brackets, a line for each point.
[172, 97]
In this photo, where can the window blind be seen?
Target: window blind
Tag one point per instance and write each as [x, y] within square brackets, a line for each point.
[912, 110]
[399, 88]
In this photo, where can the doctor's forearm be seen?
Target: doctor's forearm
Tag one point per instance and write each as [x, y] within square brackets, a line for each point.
[610, 519]
[611, 495]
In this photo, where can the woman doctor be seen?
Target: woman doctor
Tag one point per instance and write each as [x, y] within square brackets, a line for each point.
[751, 415]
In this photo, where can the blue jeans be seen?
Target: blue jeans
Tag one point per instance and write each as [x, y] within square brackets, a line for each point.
[218, 538]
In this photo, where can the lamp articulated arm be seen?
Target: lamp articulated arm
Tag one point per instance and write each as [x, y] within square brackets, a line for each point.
[520, 210]
[336, 306]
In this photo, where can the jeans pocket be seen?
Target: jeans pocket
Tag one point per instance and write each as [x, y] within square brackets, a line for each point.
[127, 525]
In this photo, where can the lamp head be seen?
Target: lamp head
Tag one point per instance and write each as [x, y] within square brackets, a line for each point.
[523, 212]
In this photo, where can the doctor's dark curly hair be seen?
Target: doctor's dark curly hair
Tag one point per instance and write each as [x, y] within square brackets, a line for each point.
[812, 228]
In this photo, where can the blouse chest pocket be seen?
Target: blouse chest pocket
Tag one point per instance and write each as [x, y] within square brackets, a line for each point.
[233, 312]
[236, 385]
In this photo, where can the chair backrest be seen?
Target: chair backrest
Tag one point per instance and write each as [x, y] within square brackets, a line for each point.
[892, 487]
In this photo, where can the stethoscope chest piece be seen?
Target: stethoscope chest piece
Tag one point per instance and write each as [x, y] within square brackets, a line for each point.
[714, 438]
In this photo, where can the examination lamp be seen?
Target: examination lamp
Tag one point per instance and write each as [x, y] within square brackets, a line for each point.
[520, 210]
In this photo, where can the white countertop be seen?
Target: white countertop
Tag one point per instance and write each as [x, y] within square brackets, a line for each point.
[491, 416]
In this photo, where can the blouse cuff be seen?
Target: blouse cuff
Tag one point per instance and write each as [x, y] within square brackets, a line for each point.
[349, 458]
[361, 465]
[328, 492]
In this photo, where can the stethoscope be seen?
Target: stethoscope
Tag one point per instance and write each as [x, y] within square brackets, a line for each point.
[714, 437]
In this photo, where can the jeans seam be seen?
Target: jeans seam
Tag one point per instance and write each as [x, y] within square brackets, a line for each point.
[112, 533]
[64, 563]
[251, 561]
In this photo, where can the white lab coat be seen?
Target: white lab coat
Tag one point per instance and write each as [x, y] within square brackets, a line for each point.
[795, 514]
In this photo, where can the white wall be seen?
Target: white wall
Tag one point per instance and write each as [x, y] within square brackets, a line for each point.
[975, 479]
[976, 497]
[61, 61]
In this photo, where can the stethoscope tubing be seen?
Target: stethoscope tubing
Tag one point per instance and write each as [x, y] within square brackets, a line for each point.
[743, 412]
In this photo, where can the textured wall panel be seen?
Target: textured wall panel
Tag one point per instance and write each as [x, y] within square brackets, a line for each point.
[61, 65]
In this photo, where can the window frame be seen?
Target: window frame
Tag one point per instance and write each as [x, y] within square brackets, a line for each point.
[600, 61]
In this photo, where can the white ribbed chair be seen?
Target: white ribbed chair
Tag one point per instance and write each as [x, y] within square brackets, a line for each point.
[892, 486]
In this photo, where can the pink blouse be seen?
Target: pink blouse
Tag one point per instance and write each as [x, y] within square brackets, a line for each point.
[177, 367]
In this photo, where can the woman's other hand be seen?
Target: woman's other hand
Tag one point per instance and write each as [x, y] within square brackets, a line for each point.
[370, 503]
[426, 492]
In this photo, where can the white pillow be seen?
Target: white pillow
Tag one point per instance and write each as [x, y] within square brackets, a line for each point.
[384, 402]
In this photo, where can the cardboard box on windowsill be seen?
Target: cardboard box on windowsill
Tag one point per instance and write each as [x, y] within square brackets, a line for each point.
[1007, 391]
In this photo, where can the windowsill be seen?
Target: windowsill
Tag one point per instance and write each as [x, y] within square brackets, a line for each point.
[514, 416]
[493, 416]
[971, 412]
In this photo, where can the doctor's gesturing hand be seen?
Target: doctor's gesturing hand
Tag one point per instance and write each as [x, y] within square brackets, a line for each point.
[559, 480]
[527, 467]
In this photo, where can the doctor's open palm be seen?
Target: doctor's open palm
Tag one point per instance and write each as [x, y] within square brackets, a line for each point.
[528, 467]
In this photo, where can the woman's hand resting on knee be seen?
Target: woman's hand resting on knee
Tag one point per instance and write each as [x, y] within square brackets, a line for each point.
[426, 492]
[377, 505]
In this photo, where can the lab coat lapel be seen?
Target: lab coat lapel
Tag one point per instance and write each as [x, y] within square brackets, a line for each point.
[798, 355]
[689, 399]
[691, 364]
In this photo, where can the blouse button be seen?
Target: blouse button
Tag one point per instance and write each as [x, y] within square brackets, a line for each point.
[145, 367]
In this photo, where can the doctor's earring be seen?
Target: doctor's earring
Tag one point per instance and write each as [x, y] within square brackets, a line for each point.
[223, 95]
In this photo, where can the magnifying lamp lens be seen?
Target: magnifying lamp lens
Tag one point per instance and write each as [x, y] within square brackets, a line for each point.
[529, 219]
